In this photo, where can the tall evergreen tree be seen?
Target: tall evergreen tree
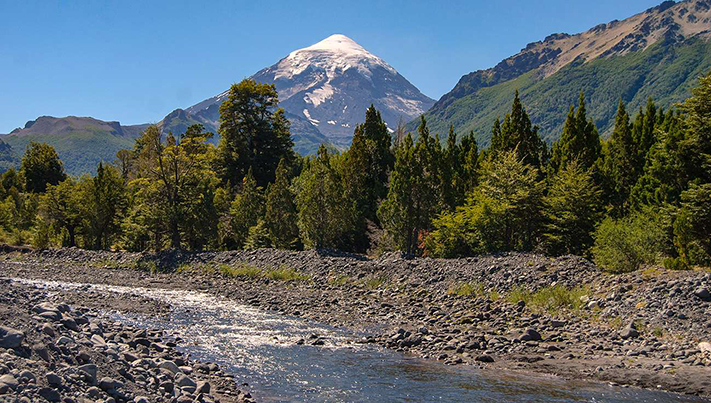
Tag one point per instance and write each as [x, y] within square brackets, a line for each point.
[255, 133]
[280, 216]
[580, 141]
[619, 169]
[105, 201]
[518, 133]
[246, 209]
[325, 215]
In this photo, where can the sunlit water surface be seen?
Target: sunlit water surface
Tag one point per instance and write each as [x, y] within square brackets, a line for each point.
[260, 348]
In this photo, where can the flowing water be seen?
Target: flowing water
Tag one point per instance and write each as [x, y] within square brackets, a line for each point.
[262, 349]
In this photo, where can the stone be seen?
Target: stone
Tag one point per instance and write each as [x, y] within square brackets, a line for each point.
[629, 332]
[9, 380]
[484, 358]
[108, 384]
[703, 294]
[183, 380]
[28, 376]
[64, 340]
[90, 370]
[170, 366]
[531, 335]
[705, 347]
[48, 330]
[10, 338]
[70, 324]
[53, 379]
[140, 399]
[41, 351]
[203, 387]
[49, 394]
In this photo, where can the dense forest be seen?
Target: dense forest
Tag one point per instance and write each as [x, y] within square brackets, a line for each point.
[641, 197]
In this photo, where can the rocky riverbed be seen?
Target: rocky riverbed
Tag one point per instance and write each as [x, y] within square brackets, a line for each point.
[51, 351]
[649, 329]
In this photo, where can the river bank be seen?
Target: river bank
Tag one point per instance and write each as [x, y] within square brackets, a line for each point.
[644, 329]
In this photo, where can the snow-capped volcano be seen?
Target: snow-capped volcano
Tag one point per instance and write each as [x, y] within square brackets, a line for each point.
[325, 89]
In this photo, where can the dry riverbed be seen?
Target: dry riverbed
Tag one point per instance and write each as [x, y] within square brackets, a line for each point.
[523, 312]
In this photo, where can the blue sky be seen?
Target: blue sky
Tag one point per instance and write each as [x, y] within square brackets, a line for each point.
[135, 61]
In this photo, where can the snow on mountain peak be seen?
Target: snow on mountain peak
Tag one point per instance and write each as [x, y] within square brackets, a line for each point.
[334, 55]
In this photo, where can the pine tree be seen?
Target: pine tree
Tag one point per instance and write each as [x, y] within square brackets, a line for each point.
[105, 201]
[517, 133]
[572, 209]
[246, 209]
[619, 169]
[415, 194]
[367, 166]
[325, 216]
[258, 237]
[280, 216]
[255, 134]
[580, 141]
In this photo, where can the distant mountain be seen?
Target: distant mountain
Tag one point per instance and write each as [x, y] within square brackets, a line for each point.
[81, 142]
[8, 158]
[658, 53]
[325, 89]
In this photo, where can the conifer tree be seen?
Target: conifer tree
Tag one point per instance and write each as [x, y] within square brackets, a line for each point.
[280, 217]
[580, 141]
[246, 209]
[619, 170]
[517, 133]
[105, 201]
[325, 216]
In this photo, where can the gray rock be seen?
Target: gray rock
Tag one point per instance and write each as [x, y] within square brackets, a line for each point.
[28, 376]
[64, 340]
[531, 335]
[629, 332]
[48, 330]
[53, 379]
[703, 294]
[183, 380]
[484, 358]
[90, 370]
[9, 380]
[49, 394]
[203, 387]
[140, 399]
[170, 366]
[10, 338]
[109, 384]
[41, 351]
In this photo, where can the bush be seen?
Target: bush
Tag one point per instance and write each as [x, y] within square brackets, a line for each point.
[241, 270]
[551, 299]
[626, 244]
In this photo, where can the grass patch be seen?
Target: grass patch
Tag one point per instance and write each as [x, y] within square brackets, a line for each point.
[473, 288]
[285, 274]
[374, 282]
[148, 266]
[551, 299]
[243, 270]
[341, 280]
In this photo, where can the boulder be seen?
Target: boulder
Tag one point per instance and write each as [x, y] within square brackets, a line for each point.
[629, 332]
[53, 379]
[531, 335]
[170, 366]
[10, 338]
[703, 294]
[49, 394]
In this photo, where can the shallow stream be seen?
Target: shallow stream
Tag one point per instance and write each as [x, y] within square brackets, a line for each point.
[263, 349]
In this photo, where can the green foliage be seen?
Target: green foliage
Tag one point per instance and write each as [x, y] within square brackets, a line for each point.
[325, 216]
[692, 227]
[473, 289]
[258, 237]
[415, 194]
[572, 209]
[246, 209]
[626, 244]
[552, 299]
[280, 217]
[104, 202]
[40, 167]
[255, 134]
[285, 274]
[62, 207]
[501, 214]
[579, 142]
[244, 270]
[516, 133]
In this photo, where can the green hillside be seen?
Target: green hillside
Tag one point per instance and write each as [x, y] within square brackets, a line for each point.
[664, 71]
[8, 158]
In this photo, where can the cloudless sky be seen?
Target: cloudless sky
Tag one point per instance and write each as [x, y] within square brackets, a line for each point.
[135, 61]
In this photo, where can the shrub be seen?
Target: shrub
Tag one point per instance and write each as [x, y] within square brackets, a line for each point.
[626, 244]
[240, 270]
[286, 274]
[551, 299]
